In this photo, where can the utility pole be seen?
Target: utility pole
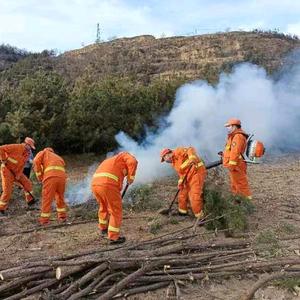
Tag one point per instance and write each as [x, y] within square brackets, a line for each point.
[98, 37]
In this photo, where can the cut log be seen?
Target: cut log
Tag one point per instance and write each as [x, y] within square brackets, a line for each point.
[23, 294]
[65, 271]
[83, 280]
[90, 287]
[9, 274]
[125, 281]
[142, 289]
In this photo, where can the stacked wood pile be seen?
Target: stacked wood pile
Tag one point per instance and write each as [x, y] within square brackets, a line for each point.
[120, 271]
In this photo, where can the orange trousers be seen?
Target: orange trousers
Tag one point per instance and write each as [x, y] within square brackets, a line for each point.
[8, 180]
[53, 188]
[239, 182]
[110, 209]
[193, 190]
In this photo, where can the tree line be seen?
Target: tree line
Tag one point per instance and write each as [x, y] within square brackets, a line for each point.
[78, 117]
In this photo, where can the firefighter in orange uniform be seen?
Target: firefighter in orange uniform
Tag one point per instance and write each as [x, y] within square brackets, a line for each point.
[13, 158]
[50, 170]
[233, 158]
[187, 164]
[107, 184]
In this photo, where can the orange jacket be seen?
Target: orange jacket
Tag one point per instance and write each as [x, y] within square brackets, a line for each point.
[234, 149]
[15, 157]
[182, 159]
[113, 170]
[48, 164]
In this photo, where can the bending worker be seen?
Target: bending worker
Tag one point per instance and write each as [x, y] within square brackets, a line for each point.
[191, 168]
[107, 185]
[13, 158]
[233, 158]
[50, 170]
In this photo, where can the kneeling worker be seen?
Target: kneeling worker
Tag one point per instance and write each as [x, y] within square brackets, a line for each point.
[107, 184]
[191, 168]
[50, 170]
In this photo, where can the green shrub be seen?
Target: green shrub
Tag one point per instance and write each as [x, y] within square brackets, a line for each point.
[226, 212]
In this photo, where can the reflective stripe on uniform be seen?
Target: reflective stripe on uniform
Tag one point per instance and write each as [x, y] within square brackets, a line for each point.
[184, 164]
[58, 168]
[38, 174]
[45, 215]
[232, 162]
[109, 175]
[199, 215]
[28, 193]
[180, 180]
[183, 211]
[3, 203]
[12, 160]
[227, 147]
[61, 209]
[114, 229]
[132, 177]
[192, 156]
[102, 221]
[200, 164]
[249, 197]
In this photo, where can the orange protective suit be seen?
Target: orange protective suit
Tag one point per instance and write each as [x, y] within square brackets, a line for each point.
[107, 184]
[233, 160]
[50, 170]
[182, 159]
[14, 157]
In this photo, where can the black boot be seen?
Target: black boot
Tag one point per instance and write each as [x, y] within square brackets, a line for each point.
[3, 213]
[120, 240]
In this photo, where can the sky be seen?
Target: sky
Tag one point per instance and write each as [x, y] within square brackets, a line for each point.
[63, 25]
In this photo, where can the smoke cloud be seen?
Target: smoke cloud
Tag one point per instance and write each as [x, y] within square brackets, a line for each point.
[268, 107]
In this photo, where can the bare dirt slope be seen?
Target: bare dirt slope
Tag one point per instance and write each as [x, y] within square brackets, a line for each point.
[276, 191]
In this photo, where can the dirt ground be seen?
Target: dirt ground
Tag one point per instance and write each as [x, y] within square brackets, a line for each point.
[276, 196]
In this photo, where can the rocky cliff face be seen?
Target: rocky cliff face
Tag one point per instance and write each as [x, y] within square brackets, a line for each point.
[193, 57]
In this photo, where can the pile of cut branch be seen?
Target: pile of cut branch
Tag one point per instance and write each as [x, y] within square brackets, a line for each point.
[116, 272]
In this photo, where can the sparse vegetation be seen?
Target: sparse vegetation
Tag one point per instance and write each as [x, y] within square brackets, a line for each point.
[155, 226]
[267, 244]
[141, 198]
[287, 228]
[292, 284]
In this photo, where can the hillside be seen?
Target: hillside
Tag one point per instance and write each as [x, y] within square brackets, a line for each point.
[43, 95]
[194, 57]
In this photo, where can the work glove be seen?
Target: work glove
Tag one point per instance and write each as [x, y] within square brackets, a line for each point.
[220, 153]
[129, 181]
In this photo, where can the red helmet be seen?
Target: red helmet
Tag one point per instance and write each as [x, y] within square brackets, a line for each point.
[233, 121]
[29, 141]
[163, 152]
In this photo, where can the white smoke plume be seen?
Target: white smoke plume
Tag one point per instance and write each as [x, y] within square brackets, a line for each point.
[268, 106]
[80, 192]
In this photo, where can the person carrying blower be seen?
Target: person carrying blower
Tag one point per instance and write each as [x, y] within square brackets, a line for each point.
[13, 158]
[233, 158]
[106, 185]
[192, 173]
[50, 170]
